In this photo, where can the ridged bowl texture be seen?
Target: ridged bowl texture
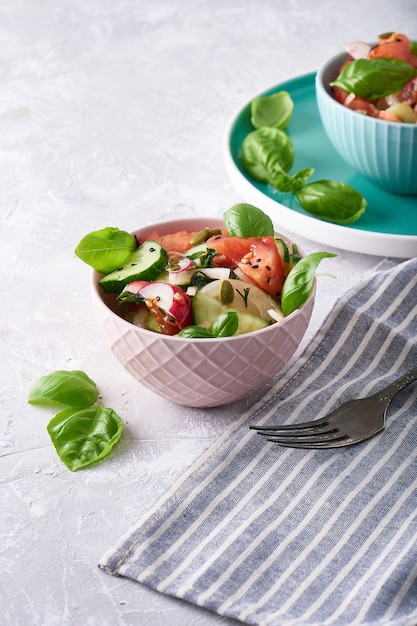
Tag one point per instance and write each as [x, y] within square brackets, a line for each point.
[384, 152]
[199, 372]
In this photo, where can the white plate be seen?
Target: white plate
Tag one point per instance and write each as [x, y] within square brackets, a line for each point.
[389, 225]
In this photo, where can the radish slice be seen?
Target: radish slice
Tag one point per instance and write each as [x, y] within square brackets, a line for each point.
[358, 49]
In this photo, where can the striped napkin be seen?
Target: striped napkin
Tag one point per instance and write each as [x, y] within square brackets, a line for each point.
[280, 536]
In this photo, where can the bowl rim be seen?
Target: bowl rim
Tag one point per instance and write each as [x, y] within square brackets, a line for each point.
[340, 57]
[97, 294]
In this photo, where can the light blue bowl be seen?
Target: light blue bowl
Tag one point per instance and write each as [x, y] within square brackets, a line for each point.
[385, 152]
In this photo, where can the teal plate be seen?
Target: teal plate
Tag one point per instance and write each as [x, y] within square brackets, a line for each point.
[389, 224]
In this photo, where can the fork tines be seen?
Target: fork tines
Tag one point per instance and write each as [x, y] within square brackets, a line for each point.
[304, 435]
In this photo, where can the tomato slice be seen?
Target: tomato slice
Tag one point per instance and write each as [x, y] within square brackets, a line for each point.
[257, 258]
[181, 241]
[173, 242]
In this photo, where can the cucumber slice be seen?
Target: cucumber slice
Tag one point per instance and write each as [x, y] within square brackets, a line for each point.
[199, 248]
[146, 263]
[184, 277]
[247, 298]
[207, 309]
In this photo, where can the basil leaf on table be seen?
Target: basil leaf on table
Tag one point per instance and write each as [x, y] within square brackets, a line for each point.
[64, 388]
[107, 249]
[299, 282]
[267, 153]
[375, 78]
[246, 220]
[84, 436]
[274, 110]
[332, 201]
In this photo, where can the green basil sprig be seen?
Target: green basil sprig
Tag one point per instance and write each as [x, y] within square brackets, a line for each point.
[246, 220]
[266, 153]
[84, 436]
[83, 432]
[107, 249]
[64, 388]
[299, 282]
[224, 326]
[274, 110]
[375, 78]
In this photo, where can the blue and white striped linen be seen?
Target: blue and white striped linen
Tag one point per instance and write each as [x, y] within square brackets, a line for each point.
[278, 536]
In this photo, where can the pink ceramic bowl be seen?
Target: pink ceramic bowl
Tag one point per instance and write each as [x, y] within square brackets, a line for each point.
[199, 372]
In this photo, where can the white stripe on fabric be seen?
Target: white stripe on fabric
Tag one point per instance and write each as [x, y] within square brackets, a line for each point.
[409, 581]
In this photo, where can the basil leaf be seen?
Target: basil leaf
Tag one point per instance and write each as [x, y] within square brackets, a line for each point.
[246, 220]
[267, 153]
[274, 110]
[64, 388]
[107, 249]
[375, 78]
[292, 183]
[226, 324]
[85, 435]
[332, 201]
[299, 282]
[196, 332]
[284, 183]
[301, 177]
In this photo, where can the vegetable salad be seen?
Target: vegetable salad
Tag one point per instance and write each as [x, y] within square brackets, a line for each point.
[380, 81]
[217, 282]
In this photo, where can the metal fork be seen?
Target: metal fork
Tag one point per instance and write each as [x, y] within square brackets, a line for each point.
[353, 421]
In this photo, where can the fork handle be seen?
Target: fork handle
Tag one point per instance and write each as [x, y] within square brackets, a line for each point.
[393, 388]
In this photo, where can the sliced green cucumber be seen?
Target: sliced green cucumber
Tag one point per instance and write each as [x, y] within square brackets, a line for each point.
[147, 263]
[207, 309]
[247, 298]
[184, 277]
[283, 250]
[199, 248]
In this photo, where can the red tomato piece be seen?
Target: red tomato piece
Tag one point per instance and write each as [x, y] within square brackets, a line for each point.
[257, 258]
[173, 242]
[396, 45]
